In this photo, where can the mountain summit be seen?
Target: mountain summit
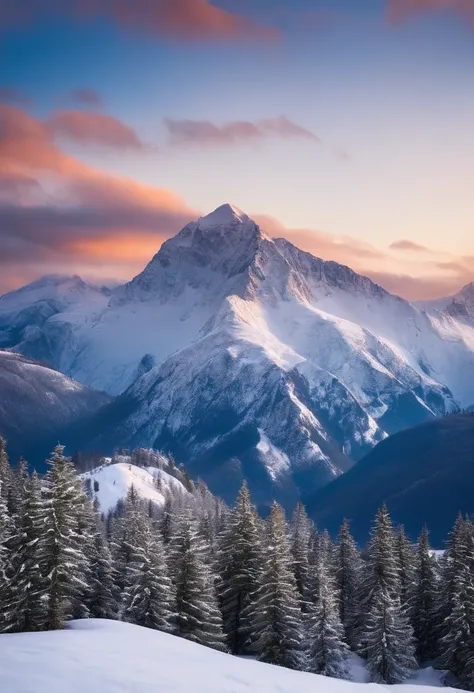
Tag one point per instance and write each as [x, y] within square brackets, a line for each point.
[247, 357]
[224, 215]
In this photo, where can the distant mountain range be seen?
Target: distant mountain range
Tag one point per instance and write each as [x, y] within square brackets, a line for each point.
[37, 406]
[247, 358]
[425, 475]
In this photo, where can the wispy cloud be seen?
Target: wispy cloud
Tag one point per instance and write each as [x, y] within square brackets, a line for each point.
[205, 132]
[14, 96]
[405, 244]
[94, 128]
[87, 97]
[199, 20]
[400, 10]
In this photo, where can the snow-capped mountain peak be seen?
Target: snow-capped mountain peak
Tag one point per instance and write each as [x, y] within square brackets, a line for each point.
[247, 355]
[224, 215]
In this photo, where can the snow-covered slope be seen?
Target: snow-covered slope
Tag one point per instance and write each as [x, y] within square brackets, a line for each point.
[94, 656]
[113, 481]
[249, 358]
[37, 404]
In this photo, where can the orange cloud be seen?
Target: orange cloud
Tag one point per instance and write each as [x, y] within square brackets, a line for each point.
[94, 128]
[57, 212]
[204, 132]
[88, 205]
[399, 10]
[177, 19]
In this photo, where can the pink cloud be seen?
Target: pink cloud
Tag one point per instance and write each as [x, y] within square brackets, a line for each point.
[99, 222]
[177, 19]
[205, 132]
[400, 10]
[13, 96]
[94, 128]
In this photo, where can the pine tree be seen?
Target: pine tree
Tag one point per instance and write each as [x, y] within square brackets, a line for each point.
[389, 640]
[406, 556]
[328, 653]
[128, 533]
[239, 565]
[24, 607]
[348, 573]
[61, 555]
[149, 593]
[425, 600]
[275, 610]
[87, 525]
[198, 615]
[167, 518]
[5, 533]
[101, 597]
[6, 477]
[301, 527]
[385, 637]
[457, 635]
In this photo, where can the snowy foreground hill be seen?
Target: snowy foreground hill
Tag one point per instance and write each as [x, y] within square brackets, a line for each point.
[94, 656]
[248, 358]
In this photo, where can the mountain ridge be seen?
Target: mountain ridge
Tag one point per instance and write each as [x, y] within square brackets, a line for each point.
[248, 358]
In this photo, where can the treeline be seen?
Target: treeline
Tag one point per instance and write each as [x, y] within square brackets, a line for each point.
[282, 592]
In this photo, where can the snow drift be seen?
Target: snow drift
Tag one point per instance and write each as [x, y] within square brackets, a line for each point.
[95, 656]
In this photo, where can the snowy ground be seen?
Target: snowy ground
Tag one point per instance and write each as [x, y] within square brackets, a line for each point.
[114, 480]
[110, 657]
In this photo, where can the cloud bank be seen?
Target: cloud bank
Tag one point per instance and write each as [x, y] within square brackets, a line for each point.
[57, 212]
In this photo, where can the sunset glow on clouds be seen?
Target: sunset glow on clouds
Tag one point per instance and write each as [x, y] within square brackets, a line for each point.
[124, 121]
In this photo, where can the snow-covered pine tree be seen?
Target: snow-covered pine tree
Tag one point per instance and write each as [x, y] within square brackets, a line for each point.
[425, 600]
[457, 644]
[165, 524]
[198, 616]
[19, 479]
[457, 636]
[301, 532]
[348, 574]
[406, 556]
[239, 558]
[61, 551]
[452, 565]
[87, 527]
[385, 637]
[389, 641]
[5, 533]
[127, 536]
[6, 476]
[149, 593]
[23, 607]
[101, 596]
[328, 653]
[275, 610]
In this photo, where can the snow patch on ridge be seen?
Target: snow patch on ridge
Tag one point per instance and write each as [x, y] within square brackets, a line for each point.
[114, 481]
[275, 461]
